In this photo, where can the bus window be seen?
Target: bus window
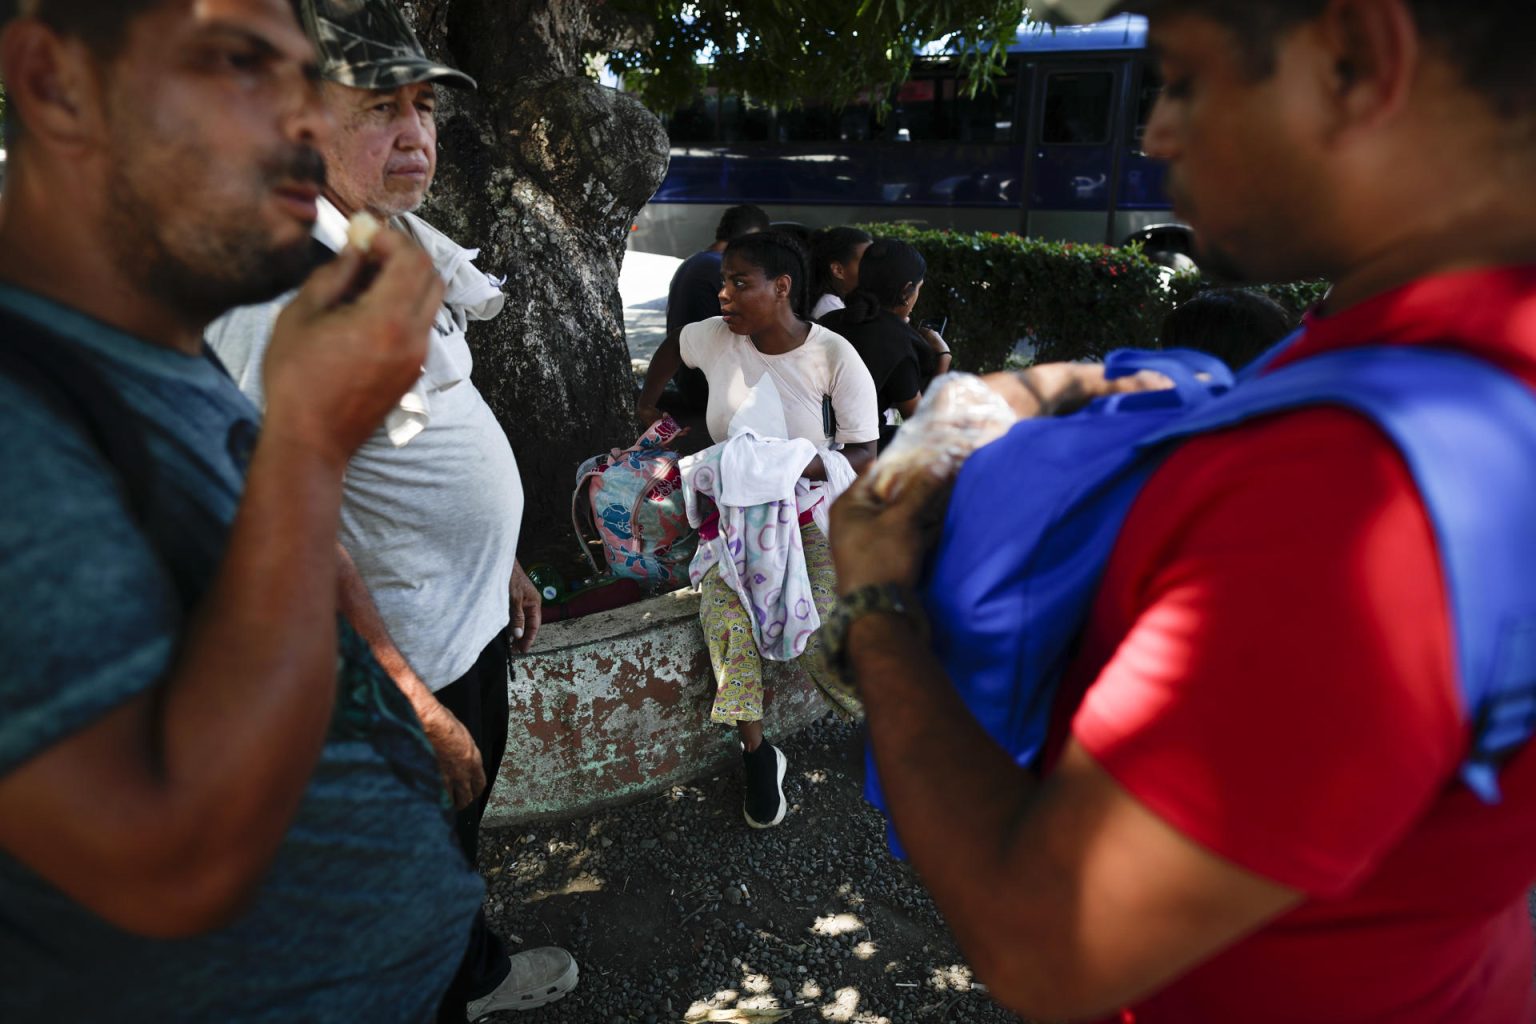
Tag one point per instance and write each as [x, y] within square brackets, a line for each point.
[743, 120]
[818, 123]
[695, 123]
[1077, 108]
[917, 113]
[987, 117]
[712, 119]
[857, 122]
[937, 110]
[808, 124]
[930, 108]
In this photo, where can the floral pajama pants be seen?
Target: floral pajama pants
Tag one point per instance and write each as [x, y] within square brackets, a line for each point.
[733, 652]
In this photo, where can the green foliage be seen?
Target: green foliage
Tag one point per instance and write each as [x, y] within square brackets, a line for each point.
[1071, 300]
[778, 51]
[1297, 296]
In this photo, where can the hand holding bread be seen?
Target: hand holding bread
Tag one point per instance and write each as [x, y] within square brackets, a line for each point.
[352, 342]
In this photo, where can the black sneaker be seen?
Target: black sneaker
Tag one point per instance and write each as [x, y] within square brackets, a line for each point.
[764, 805]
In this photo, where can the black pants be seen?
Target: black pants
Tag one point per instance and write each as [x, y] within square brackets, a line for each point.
[479, 700]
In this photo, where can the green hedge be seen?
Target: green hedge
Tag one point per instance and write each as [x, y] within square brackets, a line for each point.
[1295, 296]
[1072, 300]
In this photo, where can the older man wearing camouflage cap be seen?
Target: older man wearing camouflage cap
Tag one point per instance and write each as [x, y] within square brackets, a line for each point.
[433, 502]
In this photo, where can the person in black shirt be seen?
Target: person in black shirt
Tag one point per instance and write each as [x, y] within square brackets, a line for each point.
[1236, 325]
[877, 322]
[835, 256]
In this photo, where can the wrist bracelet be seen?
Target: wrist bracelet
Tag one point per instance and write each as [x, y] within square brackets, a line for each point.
[887, 598]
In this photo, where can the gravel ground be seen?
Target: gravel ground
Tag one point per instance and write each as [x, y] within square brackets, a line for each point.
[675, 908]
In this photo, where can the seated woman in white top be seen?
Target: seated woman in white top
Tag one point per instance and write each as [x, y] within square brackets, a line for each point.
[828, 398]
[835, 257]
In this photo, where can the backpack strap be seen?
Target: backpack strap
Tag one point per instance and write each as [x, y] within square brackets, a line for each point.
[581, 500]
[1197, 377]
[1260, 366]
[1467, 432]
[54, 368]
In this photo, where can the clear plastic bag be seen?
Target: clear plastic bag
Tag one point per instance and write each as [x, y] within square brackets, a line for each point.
[958, 415]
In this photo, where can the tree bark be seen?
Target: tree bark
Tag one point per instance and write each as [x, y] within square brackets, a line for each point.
[543, 170]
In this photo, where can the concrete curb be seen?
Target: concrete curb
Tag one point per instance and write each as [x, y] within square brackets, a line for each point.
[614, 707]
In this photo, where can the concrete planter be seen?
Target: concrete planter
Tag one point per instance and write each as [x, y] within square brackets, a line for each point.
[615, 706]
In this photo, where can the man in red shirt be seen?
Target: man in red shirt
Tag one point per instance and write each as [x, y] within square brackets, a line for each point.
[1252, 812]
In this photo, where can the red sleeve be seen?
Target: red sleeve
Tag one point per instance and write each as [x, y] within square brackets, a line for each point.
[1270, 653]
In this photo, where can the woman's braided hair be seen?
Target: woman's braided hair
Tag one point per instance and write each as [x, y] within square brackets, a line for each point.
[889, 267]
[829, 246]
[778, 254]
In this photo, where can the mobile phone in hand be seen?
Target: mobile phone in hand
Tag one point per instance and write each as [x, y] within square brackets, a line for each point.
[937, 324]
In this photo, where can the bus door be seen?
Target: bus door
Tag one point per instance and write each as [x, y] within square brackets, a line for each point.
[1142, 210]
[1073, 153]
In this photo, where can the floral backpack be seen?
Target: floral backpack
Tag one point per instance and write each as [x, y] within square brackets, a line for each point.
[633, 499]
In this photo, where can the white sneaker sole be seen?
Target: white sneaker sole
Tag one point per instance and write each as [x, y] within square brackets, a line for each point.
[557, 989]
[783, 763]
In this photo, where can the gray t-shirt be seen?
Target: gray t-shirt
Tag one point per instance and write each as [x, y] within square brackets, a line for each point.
[366, 909]
[432, 525]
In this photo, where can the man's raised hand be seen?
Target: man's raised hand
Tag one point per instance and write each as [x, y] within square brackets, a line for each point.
[350, 344]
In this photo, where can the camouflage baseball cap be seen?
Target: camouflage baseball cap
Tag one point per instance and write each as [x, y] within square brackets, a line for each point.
[368, 44]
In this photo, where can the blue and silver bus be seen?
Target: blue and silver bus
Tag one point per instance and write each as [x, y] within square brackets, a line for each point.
[1052, 150]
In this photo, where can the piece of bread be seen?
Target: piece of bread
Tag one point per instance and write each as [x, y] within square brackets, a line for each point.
[959, 415]
[360, 230]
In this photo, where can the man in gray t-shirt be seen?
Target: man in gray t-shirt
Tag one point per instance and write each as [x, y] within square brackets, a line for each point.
[214, 806]
[432, 503]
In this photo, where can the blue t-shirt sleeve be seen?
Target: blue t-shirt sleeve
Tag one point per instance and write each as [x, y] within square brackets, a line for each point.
[88, 616]
[694, 294]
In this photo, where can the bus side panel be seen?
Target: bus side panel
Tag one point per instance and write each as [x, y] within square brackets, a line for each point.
[969, 188]
[845, 175]
[1141, 186]
[1047, 153]
[682, 229]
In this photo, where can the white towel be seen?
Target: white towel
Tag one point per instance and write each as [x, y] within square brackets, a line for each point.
[757, 550]
[471, 295]
[840, 477]
[769, 468]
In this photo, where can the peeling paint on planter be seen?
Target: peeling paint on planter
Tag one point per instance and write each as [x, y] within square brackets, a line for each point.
[615, 706]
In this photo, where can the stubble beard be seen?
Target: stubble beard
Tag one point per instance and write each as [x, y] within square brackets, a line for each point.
[1224, 264]
[396, 206]
[1219, 264]
[203, 268]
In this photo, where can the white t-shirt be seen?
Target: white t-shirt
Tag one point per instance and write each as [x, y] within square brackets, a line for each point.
[826, 304]
[433, 524]
[825, 365]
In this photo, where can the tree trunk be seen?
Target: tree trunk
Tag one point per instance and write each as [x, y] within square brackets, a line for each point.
[544, 171]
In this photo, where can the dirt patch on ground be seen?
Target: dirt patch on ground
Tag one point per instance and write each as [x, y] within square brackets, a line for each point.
[674, 907]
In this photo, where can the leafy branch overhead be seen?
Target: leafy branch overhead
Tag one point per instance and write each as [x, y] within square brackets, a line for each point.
[780, 52]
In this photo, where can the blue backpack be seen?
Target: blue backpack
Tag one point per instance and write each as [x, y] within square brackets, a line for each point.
[1008, 593]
